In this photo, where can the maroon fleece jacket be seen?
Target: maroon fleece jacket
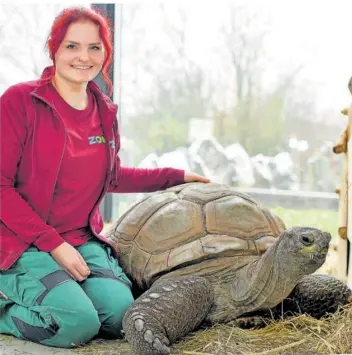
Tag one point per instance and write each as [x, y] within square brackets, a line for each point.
[32, 144]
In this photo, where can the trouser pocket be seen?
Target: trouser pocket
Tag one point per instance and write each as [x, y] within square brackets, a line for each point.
[115, 266]
[100, 258]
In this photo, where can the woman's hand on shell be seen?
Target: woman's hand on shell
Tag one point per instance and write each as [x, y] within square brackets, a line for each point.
[193, 177]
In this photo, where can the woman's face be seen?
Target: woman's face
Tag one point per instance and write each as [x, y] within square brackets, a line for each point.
[80, 56]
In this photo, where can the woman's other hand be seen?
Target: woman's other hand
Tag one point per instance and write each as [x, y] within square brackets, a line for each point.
[193, 177]
[71, 261]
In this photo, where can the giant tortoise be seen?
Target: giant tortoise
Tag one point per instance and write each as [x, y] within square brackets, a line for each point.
[208, 253]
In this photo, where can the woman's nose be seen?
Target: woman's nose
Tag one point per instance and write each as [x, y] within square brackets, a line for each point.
[83, 56]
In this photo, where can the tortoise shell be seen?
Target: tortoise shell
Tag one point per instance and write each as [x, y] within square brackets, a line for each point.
[188, 224]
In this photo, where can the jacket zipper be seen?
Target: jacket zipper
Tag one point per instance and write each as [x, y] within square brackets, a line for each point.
[56, 114]
[106, 185]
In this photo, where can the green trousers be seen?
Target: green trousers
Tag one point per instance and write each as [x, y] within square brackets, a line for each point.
[40, 302]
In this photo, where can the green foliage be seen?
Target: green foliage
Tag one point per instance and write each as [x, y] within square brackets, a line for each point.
[183, 90]
[268, 124]
[325, 220]
[162, 123]
[159, 134]
[258, 125]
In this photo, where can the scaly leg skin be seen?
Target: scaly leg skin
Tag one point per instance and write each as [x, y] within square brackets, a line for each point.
[167, 311]
[316, 295]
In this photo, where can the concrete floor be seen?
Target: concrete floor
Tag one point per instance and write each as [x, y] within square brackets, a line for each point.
[13, 346]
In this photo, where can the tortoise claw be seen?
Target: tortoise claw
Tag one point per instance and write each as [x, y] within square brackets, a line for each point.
[147, 339]
[249, 322]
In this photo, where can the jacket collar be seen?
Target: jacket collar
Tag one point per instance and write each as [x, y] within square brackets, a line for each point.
[42, 93]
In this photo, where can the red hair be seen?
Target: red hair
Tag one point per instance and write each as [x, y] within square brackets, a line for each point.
[77, 14]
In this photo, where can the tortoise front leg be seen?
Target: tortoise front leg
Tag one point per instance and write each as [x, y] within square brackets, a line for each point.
[316, 295]
[167, 311]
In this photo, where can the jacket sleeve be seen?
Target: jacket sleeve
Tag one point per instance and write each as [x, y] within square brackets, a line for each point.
[15, 212]
[135, 180]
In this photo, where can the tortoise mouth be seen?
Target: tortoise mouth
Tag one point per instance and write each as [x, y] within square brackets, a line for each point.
[319, 256]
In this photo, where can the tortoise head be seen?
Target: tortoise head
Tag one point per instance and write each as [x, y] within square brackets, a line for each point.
[304, 248]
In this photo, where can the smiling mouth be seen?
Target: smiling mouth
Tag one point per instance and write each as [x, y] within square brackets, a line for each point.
[81, 67]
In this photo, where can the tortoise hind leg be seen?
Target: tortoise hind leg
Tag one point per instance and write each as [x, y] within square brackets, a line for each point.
[167, 311]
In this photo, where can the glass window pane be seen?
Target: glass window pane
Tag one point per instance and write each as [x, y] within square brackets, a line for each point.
[248, 94]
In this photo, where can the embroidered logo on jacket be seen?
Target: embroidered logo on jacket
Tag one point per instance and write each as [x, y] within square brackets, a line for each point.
[99, 140]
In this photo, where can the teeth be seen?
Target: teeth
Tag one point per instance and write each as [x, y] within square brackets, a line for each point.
[82, 68]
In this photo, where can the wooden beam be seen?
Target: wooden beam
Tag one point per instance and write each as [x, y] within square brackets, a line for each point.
[343, 146]
[349, 192]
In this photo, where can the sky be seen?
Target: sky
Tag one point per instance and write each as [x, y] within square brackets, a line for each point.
[316, 34]
[313, 35]
[321, 33]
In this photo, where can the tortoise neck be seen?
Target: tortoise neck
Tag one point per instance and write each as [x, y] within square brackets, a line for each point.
[264, 282]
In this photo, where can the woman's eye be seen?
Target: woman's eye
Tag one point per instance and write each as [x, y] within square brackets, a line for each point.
[96, 48]
[70, 46]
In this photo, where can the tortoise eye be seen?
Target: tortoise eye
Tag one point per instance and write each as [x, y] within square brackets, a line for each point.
[307, 239]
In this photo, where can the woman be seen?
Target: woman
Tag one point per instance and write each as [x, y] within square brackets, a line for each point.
[60, 282]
